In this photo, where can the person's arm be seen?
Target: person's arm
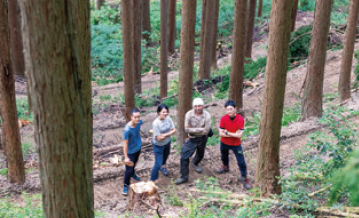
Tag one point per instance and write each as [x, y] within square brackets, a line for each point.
[222, 132]
[207, 124]
[125, 149]
[238, 134]
[170, 133]
[188, 127]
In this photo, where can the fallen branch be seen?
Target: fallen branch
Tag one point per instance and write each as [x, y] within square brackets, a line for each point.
[348, 211]
[320, 190]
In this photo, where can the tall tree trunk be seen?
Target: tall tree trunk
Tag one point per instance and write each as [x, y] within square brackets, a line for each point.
[128, 62]
[250, 27]
[164, 47]
[215, 33]
[8, 112]
[203, 22]
[348, 51]
[313, 89]
[260, 8]
[273, 98]
[146, 21]
[58, 74]
[206, 52]
[99, 4]
[16, 48]
[172, 26]
[186, 65]
[137, 45]
[237, 70]
[294, 14]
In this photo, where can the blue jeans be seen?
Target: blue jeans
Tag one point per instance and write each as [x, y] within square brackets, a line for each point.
[238, 152]
[161, 155]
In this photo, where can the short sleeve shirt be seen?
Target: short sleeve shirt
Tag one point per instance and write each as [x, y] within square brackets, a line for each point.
[162, 126]
[231, 126]
[132, 134]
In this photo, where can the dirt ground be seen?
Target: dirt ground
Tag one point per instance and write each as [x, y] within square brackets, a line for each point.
[109, 122]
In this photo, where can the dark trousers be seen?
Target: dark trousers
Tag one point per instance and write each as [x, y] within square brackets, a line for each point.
[192, 145]
[161, 155]
[130, 171]
[238, 152]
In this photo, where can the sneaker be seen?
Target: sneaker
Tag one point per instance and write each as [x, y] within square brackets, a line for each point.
[135, 177]
[223, 169]
[164, 171]
[197, 168]
[125, 190]
[245, 182]
[180, 181]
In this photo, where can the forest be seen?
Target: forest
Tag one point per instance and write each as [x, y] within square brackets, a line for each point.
[87, 85]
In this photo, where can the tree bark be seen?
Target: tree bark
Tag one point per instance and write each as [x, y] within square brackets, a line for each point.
[215, 33]
[16, 48]
[172, 26]
[237, 70]
[164, 47]
[137, 45]
[206, 52]
[273, 98]
[313, 89]
[203, 22]
[128, 57]
[348, 51]
[8, 112]
[99, 4]
[250, 27]
[146, 21]
[186, 65]
[59, 80]
[294, 14]
[260, 8]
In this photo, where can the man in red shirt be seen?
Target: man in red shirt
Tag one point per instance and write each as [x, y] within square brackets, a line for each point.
[231, 131]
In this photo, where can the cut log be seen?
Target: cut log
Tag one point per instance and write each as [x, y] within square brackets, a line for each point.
[143, 194]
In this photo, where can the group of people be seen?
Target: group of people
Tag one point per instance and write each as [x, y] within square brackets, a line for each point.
[198, 126]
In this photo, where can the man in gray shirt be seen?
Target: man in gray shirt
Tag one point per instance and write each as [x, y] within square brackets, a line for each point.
[197, 125]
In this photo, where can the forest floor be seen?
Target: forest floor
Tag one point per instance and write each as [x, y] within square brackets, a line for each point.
[109, 123]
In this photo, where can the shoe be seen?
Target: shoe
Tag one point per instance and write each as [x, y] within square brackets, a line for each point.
[223, 169]
[245, 182]
[135, 177]
[164, 171]
[197, 168]
[125, 190]
[180, 181]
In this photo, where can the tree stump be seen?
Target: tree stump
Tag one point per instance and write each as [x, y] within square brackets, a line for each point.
[143, 194]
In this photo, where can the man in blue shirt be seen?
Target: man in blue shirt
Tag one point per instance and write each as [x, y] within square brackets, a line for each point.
[132, 146]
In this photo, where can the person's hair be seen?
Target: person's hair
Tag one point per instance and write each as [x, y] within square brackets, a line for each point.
[230, 103]
[135, 110]
[161, 107]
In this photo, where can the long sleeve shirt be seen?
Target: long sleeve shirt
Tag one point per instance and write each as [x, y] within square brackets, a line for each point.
[197, 126]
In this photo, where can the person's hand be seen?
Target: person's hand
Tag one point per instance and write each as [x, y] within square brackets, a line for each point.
[127, 159]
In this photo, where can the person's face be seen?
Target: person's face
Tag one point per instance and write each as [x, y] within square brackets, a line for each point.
[198, 109]
[163, 114]
[231, 111]
[136, 117]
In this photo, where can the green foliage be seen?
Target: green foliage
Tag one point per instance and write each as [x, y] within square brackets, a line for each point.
[106, 53]
[290, 114]
[251, 70]
[32, 207]
[356, 71]
[347, 178]
[26, 149]
[22, 106]
[3, 171]
[300, 42]
[306, 5]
